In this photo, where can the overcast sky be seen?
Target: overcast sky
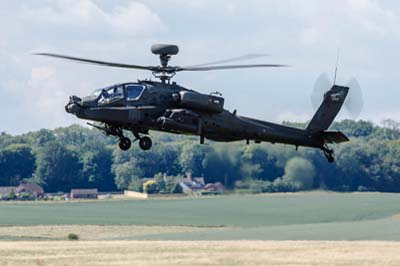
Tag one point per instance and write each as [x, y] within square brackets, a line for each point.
[305, 34]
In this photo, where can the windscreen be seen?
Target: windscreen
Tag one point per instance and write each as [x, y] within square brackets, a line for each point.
[134, 91]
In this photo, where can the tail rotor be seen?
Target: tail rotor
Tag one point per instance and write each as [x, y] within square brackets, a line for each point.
[354, 101]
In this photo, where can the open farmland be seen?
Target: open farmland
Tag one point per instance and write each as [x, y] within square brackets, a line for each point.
[117, 232]
[195, 253]
[301, 216]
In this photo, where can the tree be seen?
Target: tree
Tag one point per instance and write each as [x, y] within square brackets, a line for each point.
[135, 184]
[76, 156]
[125, 173]
[192, 156]
[168, 158]
[134, 163]
[259, 163]
[353, 128]
[58, 168]
[300, 172]
[220, 167]
[17, 162]
[41, 137]
[389, 131]
[353, 160]
[96, 163]
[73, 135]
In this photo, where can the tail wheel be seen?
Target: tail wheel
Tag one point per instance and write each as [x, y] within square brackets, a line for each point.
[329, 155]
[145, 143]
[124, 144]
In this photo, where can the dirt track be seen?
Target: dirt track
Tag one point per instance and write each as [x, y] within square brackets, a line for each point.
[199, 253]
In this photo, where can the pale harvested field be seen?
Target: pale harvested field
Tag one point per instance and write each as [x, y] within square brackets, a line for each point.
[199, 253]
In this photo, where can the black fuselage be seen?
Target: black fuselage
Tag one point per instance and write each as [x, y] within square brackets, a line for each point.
[158, 107]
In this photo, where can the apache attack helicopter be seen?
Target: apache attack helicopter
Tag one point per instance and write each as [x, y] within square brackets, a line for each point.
[163, 105]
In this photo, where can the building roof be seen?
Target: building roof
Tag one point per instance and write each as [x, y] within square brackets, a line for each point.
[7, 190]
[218, 186]
[199, 180]
[84, 191]
[30, 187]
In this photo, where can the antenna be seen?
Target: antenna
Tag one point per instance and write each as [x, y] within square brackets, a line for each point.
[337, 62]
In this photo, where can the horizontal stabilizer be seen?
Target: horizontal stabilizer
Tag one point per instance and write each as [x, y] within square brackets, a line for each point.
[334, 137]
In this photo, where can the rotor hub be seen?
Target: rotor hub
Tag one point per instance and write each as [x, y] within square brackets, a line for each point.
[164, 51]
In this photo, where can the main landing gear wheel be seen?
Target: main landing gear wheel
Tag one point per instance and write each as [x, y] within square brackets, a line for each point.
[124, 144]
[145, 143]
[328, 154]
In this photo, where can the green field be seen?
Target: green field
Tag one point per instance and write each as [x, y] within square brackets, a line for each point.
[300, 216]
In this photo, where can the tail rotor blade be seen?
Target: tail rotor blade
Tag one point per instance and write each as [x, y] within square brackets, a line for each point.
[321, 86]
[354, 101]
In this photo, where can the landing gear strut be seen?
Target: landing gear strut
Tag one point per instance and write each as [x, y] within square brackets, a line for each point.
[328, 154]
[125, 143]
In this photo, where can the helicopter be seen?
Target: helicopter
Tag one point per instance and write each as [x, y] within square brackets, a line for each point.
[145, 105]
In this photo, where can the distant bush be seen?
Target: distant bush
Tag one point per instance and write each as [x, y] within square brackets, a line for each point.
[299, 172]
[151, 187]
[209, 193]
[73, 237]
[25, 196]
[284, 185]
[364, 189]
[168, 184]
[261, 186]
[9, 196]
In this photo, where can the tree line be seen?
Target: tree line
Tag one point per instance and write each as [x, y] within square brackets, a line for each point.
[79, 157]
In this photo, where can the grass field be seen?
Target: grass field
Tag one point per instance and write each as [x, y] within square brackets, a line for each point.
[303, 216]
[200, 231]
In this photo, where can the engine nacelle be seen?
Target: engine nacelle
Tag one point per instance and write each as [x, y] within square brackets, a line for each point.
[203, 102]
[180, 120]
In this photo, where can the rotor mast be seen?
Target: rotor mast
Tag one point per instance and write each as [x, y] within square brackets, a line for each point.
[164, 51]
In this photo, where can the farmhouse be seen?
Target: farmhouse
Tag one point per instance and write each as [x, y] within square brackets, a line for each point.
[30, 188]
[84, 193]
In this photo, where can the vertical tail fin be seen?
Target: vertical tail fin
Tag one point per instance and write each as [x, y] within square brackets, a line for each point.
[330, 107]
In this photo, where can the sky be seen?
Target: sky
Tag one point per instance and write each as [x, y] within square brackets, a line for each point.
[305, 34]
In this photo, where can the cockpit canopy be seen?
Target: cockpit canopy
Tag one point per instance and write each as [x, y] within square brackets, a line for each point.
[134, 91]
[129, 91]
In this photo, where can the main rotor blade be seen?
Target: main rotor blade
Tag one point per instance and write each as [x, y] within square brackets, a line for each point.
[233, 59]
[205, 68]
[97, 62]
